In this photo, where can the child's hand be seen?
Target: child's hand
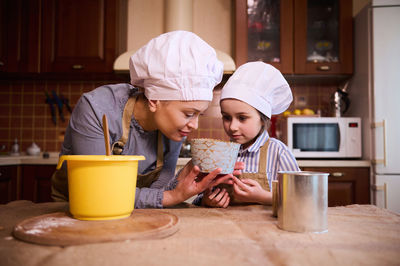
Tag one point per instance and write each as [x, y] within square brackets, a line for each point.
[248, 190]
[217, 198]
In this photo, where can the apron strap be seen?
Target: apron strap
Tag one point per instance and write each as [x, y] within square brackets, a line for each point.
[160, 151]
[262, 161]
[126, 119]
[118, 146]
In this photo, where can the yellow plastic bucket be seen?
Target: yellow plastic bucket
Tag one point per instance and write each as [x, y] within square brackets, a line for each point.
[101, 187]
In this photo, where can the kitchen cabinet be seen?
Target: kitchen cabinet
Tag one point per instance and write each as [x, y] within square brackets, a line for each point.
[36, 182]
[46, 36]
[79, 36]
[296, 36]
[3, 35]
[19, 36]
[346, 185]
[8, 183]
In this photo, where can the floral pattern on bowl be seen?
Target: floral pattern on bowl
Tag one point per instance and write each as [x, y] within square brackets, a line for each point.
[210, 154]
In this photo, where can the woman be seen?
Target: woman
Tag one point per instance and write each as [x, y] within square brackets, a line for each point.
[173, 77]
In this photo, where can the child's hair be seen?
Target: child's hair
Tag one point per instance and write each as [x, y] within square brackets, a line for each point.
[265, 120]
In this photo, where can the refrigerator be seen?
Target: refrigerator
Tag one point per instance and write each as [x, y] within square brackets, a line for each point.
[374, 91]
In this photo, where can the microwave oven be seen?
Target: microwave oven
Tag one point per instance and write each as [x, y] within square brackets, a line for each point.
[324, 137]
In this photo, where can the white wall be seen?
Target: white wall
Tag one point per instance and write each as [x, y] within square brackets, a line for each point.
[145, 21]
[211, 21]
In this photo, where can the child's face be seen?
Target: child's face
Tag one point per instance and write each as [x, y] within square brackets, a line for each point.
[241, 121]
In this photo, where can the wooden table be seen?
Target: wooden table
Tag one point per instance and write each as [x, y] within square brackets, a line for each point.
[246, 235]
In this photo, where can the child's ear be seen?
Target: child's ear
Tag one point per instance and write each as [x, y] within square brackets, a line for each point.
[267, 123]
[153, 105]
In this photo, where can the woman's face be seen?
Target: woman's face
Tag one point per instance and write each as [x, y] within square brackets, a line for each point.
[176, 119]
[241, 121]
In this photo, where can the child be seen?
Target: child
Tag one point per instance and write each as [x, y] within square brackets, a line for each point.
[251, 95]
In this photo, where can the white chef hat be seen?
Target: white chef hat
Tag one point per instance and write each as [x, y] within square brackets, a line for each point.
[177, 65]
[260, 85]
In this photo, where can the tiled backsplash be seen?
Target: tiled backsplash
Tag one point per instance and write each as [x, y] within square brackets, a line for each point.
[25, 115]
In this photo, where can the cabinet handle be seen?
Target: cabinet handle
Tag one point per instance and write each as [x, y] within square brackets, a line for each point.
[383, 125]
[337, 174]
[77, 67]
[324, 68]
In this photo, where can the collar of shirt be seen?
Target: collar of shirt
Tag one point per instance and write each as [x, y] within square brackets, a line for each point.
[257, 144]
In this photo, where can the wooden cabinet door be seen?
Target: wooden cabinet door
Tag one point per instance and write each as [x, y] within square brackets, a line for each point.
[297, 23]
[36, 182]
[283, 60]
[79, 36]
[19, 36]
[346, 185]
[8, 183]
[3, 35]
[323, 29]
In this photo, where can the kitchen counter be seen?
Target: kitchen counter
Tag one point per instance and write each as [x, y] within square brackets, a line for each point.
[53, 159]
[28, 159]
[241, 235]
[314, 163]
[334, 163]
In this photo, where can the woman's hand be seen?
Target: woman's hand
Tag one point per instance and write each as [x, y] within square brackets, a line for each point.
[217, 198]
[239, 166]
[248, 190]
[191, 182]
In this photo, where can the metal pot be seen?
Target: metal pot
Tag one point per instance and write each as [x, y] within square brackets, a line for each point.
[340, 101]
[302, 201]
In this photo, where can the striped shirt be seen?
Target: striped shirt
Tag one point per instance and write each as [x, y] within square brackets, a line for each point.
[279, 157]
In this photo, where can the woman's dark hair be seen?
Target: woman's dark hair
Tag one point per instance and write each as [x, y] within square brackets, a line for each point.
[135, 90]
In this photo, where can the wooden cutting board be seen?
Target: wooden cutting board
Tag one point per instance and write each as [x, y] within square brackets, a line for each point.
[61, 229]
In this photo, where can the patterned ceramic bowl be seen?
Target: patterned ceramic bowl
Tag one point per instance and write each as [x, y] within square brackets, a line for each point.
[210, 154]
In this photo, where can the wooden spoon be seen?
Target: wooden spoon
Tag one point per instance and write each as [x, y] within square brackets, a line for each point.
[106, 135]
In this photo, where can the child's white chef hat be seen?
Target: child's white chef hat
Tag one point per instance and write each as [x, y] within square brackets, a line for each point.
[261, 86]
[177, 65]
